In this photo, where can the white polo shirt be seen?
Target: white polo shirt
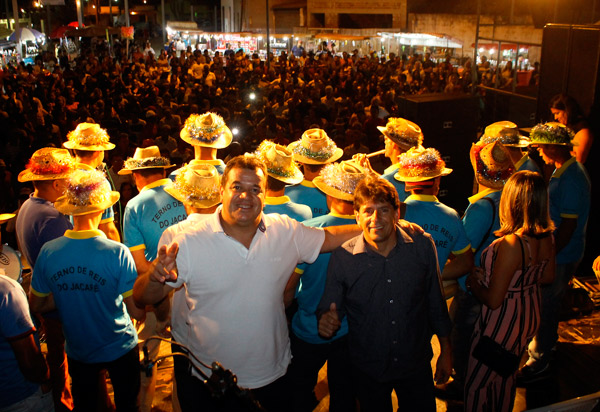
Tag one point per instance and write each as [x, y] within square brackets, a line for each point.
[235, 295]
[179, 307]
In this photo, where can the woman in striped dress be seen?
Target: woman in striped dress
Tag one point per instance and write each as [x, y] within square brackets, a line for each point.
[510, 295]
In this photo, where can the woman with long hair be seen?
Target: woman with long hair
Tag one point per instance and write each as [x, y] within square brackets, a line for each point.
[566, 111]
[507, 284]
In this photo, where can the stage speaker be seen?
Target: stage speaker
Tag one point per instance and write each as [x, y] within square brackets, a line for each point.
[570, 64]
[449, 124]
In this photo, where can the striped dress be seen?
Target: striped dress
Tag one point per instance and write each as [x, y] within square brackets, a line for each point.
[485, 390]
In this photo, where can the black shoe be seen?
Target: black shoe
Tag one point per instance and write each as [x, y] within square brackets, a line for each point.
[451, 391]
[533, 372]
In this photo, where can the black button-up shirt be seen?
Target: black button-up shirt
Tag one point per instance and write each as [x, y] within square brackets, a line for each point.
[393, 303]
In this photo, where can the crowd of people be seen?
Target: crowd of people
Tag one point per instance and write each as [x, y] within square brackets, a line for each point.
[218, 211]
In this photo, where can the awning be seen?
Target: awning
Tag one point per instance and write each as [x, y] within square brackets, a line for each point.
[338, 36]
[182, 25]
[425, 39]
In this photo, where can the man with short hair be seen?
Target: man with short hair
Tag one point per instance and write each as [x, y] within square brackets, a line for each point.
[234, 266]
[88, 279]
[387, 282]
[146, 217]
[309, 350]
[39, 222]
[569, 192]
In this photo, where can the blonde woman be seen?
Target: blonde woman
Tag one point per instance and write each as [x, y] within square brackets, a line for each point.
[512, 268]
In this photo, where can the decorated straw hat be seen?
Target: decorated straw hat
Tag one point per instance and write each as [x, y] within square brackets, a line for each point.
[492, 164]
[315, 148]
[420, 164]
[5, 217]
[552, 133]
[145, 158]
[404, 133]
[339, 180]
[48, 163]
[197, 185]
[208, 130]
[87, 191]
[88, 136]
[280, 162]
[504, 132]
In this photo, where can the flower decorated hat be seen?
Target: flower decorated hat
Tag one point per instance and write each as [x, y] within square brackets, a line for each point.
[315, 148]
[88, 136]
[208, 130]
[552, 133]
[145, 158]
[420, 164]
[280, 162]
[197, 185]
[504, 132]
[404, 133]
[492, 164]
[48, 163]
[339, 180]
[87, 191]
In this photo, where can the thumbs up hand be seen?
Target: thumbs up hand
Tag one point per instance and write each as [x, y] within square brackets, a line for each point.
[329, 322]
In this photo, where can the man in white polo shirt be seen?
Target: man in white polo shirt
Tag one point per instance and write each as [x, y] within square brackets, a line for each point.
[235, 266]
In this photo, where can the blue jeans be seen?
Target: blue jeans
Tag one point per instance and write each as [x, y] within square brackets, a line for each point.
[552, 296]
[464, 311]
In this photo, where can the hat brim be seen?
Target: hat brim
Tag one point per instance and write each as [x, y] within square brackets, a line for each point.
[331, 191]
[222, 142]
[28, 176]
[571, 144]
[63, 206]
[412, 179]
[403, 145]
[307, 160]
[91, 148]
[200, 204]
[125, 171]
[5, 217]
[290, 180]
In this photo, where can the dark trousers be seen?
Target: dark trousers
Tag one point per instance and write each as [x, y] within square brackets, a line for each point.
[57, 363]
[194, 395]
[124, 373]
[414, 392]
[307, 360]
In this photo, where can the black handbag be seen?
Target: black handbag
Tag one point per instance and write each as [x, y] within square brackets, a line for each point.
[494, 355]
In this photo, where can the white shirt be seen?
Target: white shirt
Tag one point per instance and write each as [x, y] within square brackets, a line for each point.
[235, 295]
[179, 307]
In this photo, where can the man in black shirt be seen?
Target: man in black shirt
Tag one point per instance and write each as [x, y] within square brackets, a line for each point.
[387, 282]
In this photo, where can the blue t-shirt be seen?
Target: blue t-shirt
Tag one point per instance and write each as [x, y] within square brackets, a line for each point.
[147, 216]
[388, 174]
[526, 163]
[306, 193]
[15, 323]
[284, 206]
[312, 284]
[477, 220]
[569, 191]
[88, 276]
[39, 222]
[441, 222]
